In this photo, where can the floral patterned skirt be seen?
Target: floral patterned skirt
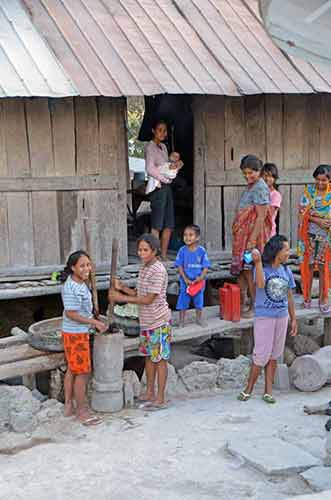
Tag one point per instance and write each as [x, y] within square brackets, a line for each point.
[156, 343]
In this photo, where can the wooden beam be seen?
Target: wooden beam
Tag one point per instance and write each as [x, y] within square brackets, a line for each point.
[29, 366]
[77, 183]
[19, 352]
[298, 176]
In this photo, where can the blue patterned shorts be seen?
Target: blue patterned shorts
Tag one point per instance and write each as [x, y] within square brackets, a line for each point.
[155, 343]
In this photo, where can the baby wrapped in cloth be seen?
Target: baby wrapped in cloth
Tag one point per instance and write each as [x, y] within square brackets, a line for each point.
[167, 169]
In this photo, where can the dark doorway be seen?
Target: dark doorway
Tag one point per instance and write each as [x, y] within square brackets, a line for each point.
[176, 111]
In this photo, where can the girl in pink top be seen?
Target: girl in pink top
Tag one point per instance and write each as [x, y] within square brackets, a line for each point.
[269, 173]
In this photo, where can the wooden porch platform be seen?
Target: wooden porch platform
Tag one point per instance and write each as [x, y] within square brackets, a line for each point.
[17, 358]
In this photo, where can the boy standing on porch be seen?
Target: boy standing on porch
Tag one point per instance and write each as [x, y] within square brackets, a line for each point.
[193, 264]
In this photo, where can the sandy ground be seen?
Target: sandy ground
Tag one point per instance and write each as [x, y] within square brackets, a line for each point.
[174, 454]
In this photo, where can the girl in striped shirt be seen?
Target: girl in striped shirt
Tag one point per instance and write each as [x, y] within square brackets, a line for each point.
[77, 322]
[154, 317]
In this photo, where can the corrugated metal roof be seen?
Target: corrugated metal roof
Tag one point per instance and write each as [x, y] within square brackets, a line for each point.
[145, 47]
[27, 65]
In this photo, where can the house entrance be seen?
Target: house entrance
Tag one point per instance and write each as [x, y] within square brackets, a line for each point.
[176, 111]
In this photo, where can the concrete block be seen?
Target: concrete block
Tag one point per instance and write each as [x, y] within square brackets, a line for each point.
[108, 361]
[318, 478]
[282, 378]
[273, 456]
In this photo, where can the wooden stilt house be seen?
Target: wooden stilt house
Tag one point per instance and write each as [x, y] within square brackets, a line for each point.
[65, 70]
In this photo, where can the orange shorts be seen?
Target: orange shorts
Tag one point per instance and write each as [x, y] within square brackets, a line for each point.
[77, 352]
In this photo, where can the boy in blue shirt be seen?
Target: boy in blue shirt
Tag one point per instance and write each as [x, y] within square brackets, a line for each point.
[193, 264]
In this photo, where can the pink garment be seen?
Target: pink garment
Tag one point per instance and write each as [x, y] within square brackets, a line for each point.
[269, 339]
[275, 201]
[155, 157]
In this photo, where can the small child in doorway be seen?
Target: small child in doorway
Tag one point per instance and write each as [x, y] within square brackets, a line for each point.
[77, 321]
[193, 264]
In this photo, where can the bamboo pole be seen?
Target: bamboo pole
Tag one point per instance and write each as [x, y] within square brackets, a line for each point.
[113, 271]
[93, 279]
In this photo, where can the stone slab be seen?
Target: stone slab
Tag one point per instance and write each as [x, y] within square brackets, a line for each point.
[273, 456]
[282, 378]
[318, 478]
[326, 495]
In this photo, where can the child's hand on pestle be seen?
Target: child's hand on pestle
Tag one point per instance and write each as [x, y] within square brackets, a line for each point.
[118, 285]
[115, 296]
[99, 326]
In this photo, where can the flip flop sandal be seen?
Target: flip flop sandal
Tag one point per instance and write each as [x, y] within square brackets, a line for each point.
[267, 398]
[155, 407]
[90, 421]
[307, 304]
[325, 308]
[243, 396]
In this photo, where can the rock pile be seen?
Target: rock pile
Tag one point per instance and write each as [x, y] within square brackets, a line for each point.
[22, 411]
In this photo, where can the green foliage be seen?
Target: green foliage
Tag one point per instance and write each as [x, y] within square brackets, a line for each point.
[136, 110]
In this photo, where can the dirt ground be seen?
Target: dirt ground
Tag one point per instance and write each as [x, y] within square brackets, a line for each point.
[175, 454]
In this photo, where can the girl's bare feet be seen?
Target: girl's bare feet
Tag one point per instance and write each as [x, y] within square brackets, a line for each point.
[69, 410]
[146, 396]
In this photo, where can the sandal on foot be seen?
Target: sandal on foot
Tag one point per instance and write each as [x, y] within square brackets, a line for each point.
[267, 398]
[307, 304]
[325, 308]
[243, 396]
[92, 420]
[156, 406]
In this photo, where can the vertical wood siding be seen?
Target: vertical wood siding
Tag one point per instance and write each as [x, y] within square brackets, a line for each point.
[61, 138]
[293, 131]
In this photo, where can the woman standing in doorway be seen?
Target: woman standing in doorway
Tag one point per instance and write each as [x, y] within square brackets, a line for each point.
[251, 228]
[162, 203]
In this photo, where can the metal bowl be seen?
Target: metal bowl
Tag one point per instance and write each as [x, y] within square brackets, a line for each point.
[46, 335]
[129, 326]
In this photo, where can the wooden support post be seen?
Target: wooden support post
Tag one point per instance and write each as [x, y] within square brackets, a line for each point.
[327, 331]
[29, 381]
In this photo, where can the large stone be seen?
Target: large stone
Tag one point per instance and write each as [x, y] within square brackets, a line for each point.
[318, 478]
[199, 376]
[18, 409]
[175, 386]
[233, 373]
[50, 410]
[327, 458]
[272, 455]
[131, 387]
[282, 378]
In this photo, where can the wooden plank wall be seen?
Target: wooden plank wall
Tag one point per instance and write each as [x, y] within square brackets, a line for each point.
[76, 149]
[293, 131]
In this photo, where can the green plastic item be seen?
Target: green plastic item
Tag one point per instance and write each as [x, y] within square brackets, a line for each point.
[55, 275]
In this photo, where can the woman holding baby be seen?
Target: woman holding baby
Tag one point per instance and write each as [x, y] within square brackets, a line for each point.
[161, 169]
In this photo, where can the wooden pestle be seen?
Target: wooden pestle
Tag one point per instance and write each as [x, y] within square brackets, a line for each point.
[113, 270]
[93, 279]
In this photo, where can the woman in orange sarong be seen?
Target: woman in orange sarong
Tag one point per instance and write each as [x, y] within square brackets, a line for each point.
[251, 227]
[314, 236]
